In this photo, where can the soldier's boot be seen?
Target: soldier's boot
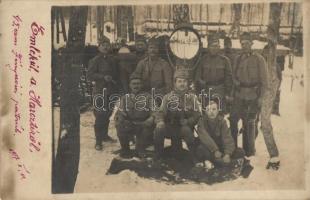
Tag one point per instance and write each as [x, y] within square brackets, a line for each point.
[159, 139]
[249, 138]
[234, 129]
[125, 149]
[98, 145]
[106, 137]
[188, 135]
[274, 163]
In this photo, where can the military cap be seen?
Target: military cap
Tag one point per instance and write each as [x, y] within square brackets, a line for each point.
[140, 38]
[134, 76]
[213, 40]
[246, 36]
[104, 39]
[153, 41]
[181, 73]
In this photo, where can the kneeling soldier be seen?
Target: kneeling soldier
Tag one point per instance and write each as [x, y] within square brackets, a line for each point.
[216, 142]
[134, 117]
[177, 116]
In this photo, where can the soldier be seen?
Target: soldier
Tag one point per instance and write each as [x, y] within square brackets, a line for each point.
[128, 61]
[214, 73]
[269, 53]
[250, 83]
[134, 117]
[103, 73]
[154, 71]
[228, 51]
[216, 142]
[177, 116]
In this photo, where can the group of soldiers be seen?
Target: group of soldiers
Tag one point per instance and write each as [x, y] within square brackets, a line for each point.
[238, 86]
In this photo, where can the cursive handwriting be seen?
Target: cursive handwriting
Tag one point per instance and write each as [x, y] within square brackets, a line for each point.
[34, 103]
[16, 23]
[21, 167]
[34, 52]
[18, 127]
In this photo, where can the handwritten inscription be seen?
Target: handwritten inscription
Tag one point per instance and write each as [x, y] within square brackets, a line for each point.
[34, 99]
[21, 167]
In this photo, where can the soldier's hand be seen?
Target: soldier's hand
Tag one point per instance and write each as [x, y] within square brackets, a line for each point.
[183, 122]
[160, 125]
[148, 122]
[217, 154]
[226, 158]
[108, 78]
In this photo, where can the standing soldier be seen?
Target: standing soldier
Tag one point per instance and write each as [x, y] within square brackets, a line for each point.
[154, 71]
[128, 61]
[134, 117]
[228, 51]
[214, 73]
[177, 116]
[250, 84]
[269, 53]
[103, 73]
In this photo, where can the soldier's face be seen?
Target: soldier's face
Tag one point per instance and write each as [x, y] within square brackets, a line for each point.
[104, 48]
[135, 85]
[214, 49]
[152, 50]
[212, 110]
[140, 46]
[246, 45]
[181, 84]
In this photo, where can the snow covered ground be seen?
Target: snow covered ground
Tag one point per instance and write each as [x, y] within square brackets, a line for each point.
[289, 134]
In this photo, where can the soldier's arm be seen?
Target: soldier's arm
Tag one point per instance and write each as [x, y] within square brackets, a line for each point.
[196, 112]
[227, 140]
[205, 138]
[139, 69]
[121, 114]
[263, 75]
[124, 77]
[159, 115]
[168, 77]
[92, 72]
[228, 76]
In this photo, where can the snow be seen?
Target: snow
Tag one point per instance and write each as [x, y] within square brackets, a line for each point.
[288, 132]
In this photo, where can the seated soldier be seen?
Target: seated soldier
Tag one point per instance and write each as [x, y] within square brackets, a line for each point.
[216, 142]
[134, 117]
[176, 118]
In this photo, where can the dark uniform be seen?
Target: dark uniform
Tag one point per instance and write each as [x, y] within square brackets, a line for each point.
[98, 68]
[214, 135]
[179, 119]
[250, 83]
[214, 74]
[134, 119]
[268, 100]
[128, 63]
[155, 73]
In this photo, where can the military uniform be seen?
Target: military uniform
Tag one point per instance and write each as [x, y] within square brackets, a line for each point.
[214, 135]
[214, 75]
[128, 63]
[155, 74]
[268, 100]
[179, 112]
[130, 121]
[99, 67]
[250, 83]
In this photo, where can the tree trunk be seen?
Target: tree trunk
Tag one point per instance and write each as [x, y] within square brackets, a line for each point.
[68, 151]
[235, 28]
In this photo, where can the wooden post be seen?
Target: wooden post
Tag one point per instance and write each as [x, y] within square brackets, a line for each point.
[68, 151]
[237, 18]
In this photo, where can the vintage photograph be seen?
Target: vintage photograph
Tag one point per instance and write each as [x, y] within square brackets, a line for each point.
[178, 97]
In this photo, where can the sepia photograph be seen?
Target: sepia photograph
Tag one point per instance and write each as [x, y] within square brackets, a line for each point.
[178, 97]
